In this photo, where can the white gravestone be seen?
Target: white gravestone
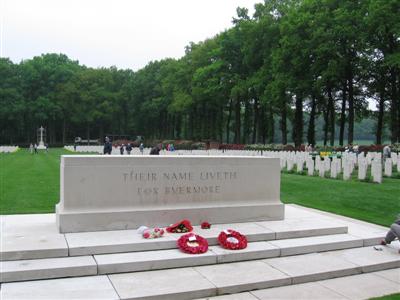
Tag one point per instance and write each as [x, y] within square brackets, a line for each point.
[346, 170]
[388, 168]
[310, 167]
[300, 164]
[376, 170]
[362, 169]
[123, 192]
[290, 164]
[333, 170]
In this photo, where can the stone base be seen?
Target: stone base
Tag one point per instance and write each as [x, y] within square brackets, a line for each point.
[99, 221]
[41, 146]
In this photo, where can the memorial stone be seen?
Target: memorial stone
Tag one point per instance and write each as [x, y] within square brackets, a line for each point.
[124, 192]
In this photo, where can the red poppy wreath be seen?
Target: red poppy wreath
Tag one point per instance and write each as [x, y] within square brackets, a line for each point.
[231, 239]
[180, 227]
[192, 243]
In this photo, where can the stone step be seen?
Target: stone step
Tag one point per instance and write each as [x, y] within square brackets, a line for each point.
[87, 243]
[213, 280]
[165, 259]
[360, 286]
[47, 268]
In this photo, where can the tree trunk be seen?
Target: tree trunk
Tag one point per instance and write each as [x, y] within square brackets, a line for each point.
[237, 121]
[394, 120]
[64, 132]
[298, 122]
[379, 125]
[311, 123]
[262, 128]
[246, 123]
[326, 125]
[350, 137]
[331, 116]
[88, 132]
[284, 124]
[228, 122]
[271, 129]
[343, 113]
[255, 121]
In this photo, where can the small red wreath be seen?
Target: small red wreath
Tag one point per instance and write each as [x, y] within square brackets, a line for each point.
[205, 225]
[192, 243]
[180, 227]
[231, 239]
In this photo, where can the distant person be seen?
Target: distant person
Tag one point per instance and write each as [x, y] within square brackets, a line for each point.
[35, 148]
[47, 147]
[141, 148]
[128, 148]
[356, 149]
[171, 148]
[75, 147]
[31, 148]
[121, 149]
[155, 150]
[107, 146]
[387, 152]
[393, 233]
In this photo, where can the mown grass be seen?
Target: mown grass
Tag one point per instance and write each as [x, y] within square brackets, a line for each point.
[388, 297]
[30, 184]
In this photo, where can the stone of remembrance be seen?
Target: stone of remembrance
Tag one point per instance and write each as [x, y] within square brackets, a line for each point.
[124, 192]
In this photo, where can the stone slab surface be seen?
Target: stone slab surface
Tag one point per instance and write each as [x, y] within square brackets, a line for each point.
[84, 243]
[151, 260]
[47, 268]
[295, 228]
[362, 286]
[370, 259]
[30, 236]
[255, 250]
[313, 267]
[184, 283]
[79, 288]
[304, 291]
[252, 231]
[238, 296]
[243, 276]
[392, 275]
[317, 244]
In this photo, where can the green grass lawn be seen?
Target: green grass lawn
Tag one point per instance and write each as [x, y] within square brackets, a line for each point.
[30, 184]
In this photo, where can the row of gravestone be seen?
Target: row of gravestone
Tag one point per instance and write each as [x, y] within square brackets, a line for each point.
[345, 165]
[8, 149]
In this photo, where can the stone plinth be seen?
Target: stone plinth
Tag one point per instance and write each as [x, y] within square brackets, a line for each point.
[114, 192]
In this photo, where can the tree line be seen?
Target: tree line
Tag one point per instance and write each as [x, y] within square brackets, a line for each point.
[292, 62]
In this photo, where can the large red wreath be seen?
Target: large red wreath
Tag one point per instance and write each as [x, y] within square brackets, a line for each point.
[231, 239]
[180, 227]
[192, 243]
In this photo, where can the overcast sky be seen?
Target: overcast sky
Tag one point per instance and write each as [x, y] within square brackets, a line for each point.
[122, 33]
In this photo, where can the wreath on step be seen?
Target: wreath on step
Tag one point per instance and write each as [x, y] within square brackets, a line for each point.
[180, 227]
[232, 240]
[192, 243]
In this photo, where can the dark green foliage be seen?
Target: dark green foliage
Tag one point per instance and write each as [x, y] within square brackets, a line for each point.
[296, 71]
